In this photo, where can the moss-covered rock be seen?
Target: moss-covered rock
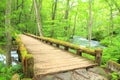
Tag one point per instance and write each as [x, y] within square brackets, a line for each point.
[26, 79]
[114, 66]
[100, 71]
[15, 77]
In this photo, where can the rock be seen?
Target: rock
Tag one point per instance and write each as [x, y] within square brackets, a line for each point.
[15, 77]
[95, 73]
[48, 77]
[83, 72]
[98, 70]
[113, 66]
[64, 76]
[26, 79]
[76, 76]
[94, 76]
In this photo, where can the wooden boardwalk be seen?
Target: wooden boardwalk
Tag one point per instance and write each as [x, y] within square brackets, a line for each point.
[49, 59]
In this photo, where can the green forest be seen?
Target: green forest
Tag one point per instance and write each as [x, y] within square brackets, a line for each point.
[97, 20]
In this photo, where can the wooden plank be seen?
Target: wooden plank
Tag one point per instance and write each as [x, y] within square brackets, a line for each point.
[63, 64]
[62, 68]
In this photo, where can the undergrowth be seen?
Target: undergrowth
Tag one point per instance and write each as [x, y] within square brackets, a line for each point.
[7, 73]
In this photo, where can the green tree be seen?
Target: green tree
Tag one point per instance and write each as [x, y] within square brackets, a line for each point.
[54, 7]
[38, 17]
[8, 33]
[90, 23]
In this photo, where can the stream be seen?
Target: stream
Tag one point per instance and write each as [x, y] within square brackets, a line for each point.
[14, 57]
[76, 40]
[84, 42]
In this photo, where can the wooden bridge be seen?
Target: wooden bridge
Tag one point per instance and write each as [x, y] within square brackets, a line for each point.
[42, 56]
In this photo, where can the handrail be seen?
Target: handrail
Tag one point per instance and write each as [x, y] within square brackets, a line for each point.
[97, 52]
[26, 59]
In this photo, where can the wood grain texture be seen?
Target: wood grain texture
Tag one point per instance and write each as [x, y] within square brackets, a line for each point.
[49, 59]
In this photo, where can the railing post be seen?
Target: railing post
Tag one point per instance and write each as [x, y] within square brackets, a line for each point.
[66, 48]
[79, 52]
[98, 56]
[29, 67]
[46, 41]
[42, 40]
[51, 43]
[57, 45]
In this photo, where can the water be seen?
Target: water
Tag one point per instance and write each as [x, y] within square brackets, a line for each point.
[2, 58]
[14, 57]
[84, 42]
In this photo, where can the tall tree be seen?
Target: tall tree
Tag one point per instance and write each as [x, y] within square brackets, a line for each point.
[90, 23]
[8, 33]
[75, 18]
[111, 21]
[22, 6]
[66, 16]
[116, 4]
[38, 17]
[40, 4]
[54, 8]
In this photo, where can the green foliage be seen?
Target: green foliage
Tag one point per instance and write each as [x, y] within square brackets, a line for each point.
[23, 20]
[97, 35]
[115, 76]
[7, 73]
[112, 52]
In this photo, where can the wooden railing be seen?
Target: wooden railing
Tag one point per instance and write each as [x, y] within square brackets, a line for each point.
[97, 52]
[26, 59]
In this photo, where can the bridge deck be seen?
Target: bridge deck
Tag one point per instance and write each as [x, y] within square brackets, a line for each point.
[49, 59]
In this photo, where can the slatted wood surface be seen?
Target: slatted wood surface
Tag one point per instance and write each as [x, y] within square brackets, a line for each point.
[49, 59]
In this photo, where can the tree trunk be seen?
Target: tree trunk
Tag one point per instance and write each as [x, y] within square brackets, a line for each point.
[33, 18]
[75, 18]
[90, 23]
[54, 7]
[8, 33]
[67, 10]
[38, 18]
[111, 22]
[40, 5]
[66, 17]
[16, 4]
[22, 6]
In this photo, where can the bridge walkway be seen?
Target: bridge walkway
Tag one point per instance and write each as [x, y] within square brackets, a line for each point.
[49, 59]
